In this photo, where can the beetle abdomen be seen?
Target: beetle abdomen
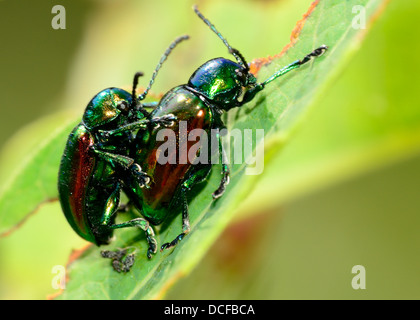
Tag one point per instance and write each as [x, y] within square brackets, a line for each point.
[76, 169]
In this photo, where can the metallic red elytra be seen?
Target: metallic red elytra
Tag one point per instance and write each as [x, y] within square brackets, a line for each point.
[75, 175]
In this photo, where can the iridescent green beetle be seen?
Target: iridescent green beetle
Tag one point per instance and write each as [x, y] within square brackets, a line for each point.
[95, 159]
[215, 87]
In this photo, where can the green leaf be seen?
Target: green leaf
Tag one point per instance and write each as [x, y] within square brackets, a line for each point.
[34, 181]
[277, 110]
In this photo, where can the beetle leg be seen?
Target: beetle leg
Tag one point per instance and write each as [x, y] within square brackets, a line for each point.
[112, 158]
[128, 127]
[111, 206]
[165, 121]
[225, 171]
[145, 226]
[126, 163]
[195, 177]
[185, 222]
[142, 178]
[120, 262]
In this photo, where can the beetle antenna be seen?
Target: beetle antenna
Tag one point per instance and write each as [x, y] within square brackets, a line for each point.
[162, 60]
[316, 53]
[234, 52]
[250, 94]
[135, 83]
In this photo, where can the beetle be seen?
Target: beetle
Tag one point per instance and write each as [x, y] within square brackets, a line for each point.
[95, 159]
[214, 88]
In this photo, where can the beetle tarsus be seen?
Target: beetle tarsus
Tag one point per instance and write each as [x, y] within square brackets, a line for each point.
[165, 121]
[142, 178]
[220, 191]
[173, 243]
[152, 246]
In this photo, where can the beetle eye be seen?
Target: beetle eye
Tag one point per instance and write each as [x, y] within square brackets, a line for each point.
[123, 107]
[241, 75]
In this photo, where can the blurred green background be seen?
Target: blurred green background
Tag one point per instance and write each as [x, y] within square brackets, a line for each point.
[363, 211]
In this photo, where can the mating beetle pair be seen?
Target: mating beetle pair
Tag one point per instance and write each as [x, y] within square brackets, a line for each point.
[115, 148]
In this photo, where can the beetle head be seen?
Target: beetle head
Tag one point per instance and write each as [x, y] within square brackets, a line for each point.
[222, 81]
[109, 105]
